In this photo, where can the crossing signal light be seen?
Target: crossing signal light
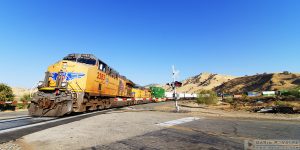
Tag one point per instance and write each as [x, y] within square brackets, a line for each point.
[178, 84]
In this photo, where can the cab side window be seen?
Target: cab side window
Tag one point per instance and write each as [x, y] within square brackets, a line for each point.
[102, 66]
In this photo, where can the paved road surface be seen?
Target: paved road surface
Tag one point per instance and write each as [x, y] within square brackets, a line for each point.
[209, 133]
[141, 128]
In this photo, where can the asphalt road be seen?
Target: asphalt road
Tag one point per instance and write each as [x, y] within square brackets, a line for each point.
[209, 133]
[138, 128]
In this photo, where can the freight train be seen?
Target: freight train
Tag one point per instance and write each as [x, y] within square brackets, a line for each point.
[81, 82]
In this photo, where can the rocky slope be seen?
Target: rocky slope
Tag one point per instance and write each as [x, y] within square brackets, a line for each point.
[205, 81]
[260, 82]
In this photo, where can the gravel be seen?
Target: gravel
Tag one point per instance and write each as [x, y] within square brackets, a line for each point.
[10, 146]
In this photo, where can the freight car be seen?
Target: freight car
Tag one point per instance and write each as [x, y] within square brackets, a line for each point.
[141, 95]
[158, 94]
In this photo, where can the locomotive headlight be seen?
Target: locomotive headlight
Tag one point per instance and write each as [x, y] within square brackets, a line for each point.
[64, 84]
[41, 83]
[65, 65]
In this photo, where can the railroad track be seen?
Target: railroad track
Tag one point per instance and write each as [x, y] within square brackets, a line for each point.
[14, 118]
[12, 123]
[24, 123]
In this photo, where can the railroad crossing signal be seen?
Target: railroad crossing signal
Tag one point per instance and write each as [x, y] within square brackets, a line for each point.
[177, 84]
[175, 74]
[174, 84]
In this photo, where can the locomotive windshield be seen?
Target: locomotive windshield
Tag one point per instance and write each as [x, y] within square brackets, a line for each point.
[70, 58]
[88, 61]
[81, 58]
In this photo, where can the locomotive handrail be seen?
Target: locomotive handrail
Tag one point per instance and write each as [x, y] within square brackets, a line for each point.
[79, 86]
[75, 90]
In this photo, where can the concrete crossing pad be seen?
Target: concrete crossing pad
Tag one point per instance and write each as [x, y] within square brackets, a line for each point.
[178, 121]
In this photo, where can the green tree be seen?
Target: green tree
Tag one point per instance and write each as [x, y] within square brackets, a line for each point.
[26, 98]
[207, 97]
[6, 93]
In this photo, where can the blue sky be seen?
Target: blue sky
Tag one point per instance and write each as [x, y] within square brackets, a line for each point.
[143, 38]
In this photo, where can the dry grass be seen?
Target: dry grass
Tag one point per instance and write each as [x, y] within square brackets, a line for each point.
[19, 92]
[203, 81]
[261, 82]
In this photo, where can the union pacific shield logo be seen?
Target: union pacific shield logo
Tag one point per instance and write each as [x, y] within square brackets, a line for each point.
[68, 75]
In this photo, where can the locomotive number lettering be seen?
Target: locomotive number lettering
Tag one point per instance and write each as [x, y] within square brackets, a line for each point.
[101, 76]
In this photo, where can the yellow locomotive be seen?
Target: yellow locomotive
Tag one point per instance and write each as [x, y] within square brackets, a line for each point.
[78, 83]
[141, 95]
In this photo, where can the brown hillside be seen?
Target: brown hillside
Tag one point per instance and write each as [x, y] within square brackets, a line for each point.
[202, 81]
[261, 82]
[19, 92]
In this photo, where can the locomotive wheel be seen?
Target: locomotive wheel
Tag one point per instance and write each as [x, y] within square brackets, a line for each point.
[101, 105]
[131, 103]
[93, 105]
[107, 104]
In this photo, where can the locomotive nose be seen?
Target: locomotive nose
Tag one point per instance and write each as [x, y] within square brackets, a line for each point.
[45, 103]
[51, 104]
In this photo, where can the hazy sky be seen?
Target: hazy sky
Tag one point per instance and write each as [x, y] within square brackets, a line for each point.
[142, 38]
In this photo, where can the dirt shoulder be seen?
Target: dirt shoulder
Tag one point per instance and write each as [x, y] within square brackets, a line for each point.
[192, 108]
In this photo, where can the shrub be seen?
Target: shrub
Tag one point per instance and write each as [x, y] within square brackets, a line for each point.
[245, 98]
[282, 103]
[279, 103]
[293, 92]
[6, 93]
[26, 98]
[20, 106]
[228, 99]
[207, 97]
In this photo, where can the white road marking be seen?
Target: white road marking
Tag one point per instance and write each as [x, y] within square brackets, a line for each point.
[178, 121]
[51, 121]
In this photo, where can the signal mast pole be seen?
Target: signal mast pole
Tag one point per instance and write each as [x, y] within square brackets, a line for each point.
[175, 74]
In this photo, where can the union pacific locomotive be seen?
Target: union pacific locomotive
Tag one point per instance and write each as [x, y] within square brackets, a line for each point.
[81, 82]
